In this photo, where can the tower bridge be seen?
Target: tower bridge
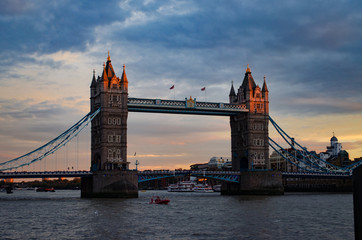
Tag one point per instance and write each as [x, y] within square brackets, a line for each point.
[247, 109]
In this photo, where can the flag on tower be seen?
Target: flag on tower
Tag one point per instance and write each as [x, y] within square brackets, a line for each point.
[203, 89]
[173, 86]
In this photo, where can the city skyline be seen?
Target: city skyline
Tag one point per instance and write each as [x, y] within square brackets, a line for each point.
[310, 56]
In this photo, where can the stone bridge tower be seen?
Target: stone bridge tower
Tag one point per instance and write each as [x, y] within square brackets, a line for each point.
[249, 132]
[250, 142]
[109, 127]
[111, 176]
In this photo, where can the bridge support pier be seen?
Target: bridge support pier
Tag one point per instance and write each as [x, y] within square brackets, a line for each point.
[110, 184]
[255, 183]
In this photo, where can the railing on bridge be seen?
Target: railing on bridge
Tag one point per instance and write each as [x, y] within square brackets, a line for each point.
[188, 106]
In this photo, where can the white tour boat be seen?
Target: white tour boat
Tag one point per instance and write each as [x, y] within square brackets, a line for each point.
[204, 188]
[185, 186]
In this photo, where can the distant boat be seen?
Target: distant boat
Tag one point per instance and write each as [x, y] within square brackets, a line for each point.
[42, 189]
[203, 188]
[185, 186]
[158, 200]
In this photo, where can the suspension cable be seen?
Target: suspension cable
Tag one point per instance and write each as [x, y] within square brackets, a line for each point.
[50, 147]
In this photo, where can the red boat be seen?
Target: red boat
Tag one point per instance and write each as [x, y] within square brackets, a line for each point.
[158, 200]
[42, 189]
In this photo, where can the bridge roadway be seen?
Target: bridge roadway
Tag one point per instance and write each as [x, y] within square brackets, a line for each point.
[227, 176]
[187, 106]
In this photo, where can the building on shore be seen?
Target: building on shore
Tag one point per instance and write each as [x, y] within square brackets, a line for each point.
[218, 162]
[215, 163]
[333, 154]
[199, 166]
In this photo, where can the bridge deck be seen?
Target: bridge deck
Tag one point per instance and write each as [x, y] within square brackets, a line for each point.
[188, 106]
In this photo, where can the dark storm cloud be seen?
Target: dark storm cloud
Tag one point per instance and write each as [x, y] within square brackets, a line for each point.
[204, 42]
[296, 43]
[50, 26]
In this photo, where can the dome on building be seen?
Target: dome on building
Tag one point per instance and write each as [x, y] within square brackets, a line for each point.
[334, 139]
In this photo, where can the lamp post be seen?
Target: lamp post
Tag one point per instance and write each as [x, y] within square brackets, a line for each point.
[137, 163]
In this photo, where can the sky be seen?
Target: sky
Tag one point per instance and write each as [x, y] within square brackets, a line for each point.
[311, 55]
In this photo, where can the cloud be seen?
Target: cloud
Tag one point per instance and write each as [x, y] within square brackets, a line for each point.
[29, 119]
[15, 7]
[310, 55]
[54, 26]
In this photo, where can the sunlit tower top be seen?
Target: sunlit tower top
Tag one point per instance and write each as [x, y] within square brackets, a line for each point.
[250, 149]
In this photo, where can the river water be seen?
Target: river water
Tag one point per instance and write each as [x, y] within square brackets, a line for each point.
[64, 215]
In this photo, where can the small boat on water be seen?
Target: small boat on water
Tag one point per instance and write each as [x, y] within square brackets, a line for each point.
[158, 200]
[42, 189]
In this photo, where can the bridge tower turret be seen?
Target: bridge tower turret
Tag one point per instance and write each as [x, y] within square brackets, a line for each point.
[232, 95]
[249, 132]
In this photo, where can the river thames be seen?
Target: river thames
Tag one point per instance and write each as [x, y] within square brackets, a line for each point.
[64, 215]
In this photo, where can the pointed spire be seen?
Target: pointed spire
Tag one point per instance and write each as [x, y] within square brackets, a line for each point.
[248, 82]
[104, 74]
[93, 84]
[232, 91]
[124, 80]
[265, 88]
[109, 68]
[124, 76]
